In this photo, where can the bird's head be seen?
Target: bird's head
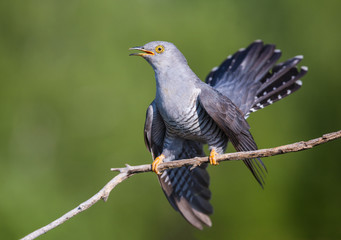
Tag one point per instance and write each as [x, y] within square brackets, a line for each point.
[160, 54]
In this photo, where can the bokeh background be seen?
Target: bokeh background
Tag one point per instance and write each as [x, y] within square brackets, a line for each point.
[72, 105]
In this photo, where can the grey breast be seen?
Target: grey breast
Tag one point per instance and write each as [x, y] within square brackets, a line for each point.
[195, 124]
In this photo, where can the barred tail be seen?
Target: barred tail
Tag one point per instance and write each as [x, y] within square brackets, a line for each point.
[187, 189]
[283, 80]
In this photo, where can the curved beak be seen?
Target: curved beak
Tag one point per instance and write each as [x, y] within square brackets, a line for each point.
[143, 53]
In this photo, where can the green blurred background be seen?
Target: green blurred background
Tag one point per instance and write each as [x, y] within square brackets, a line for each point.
[72, 105]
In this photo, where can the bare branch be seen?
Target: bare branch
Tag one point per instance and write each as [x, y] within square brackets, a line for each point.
[294, 147]
[129, 171]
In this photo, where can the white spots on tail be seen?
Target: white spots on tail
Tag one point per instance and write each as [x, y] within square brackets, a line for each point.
[288, 91]
[167, 180]
[304, 68]
[163, 174]
[232, 62]
[214, 69]
[260, 105]
[299, 82]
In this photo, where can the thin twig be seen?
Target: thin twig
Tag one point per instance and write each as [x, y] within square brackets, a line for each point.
[129, 171]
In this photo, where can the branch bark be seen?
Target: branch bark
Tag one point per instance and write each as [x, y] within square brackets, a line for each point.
[129, 171]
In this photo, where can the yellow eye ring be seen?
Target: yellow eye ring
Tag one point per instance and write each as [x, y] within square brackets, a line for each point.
[159, 49]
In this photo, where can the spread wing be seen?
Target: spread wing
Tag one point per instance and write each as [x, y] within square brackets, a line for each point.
[186, 190]
[251, 80]
[231, 120]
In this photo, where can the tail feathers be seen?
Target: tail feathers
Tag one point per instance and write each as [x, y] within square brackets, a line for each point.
[251, 80]
[247, 58]
[240, 75]
[279, 72]
[187, 191]
[193, 216]
[281, 82]
[269, 62]
[241, 63]
[266, 58]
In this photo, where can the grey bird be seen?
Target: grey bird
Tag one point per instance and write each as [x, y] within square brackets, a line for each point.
[187, 113]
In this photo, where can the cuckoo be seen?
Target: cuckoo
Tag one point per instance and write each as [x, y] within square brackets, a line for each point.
[188, 113]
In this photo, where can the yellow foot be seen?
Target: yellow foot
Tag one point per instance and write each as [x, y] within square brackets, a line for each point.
[156, 163]
[213, 155]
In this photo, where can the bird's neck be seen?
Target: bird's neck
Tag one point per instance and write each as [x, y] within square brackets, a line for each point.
[175, 78]
[175, 87]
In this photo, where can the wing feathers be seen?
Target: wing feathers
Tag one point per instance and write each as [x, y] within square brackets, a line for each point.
[154, 131]
[229, 119]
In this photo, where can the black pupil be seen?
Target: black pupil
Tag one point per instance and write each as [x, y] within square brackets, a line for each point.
[159, 49]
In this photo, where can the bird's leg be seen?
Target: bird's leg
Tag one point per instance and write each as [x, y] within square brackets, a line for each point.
[213, 155]
[156, 163]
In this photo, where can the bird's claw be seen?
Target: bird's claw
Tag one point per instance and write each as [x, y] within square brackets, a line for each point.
[156, 163]
[212, 158]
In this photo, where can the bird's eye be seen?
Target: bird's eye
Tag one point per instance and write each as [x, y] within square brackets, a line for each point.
[159, 49]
